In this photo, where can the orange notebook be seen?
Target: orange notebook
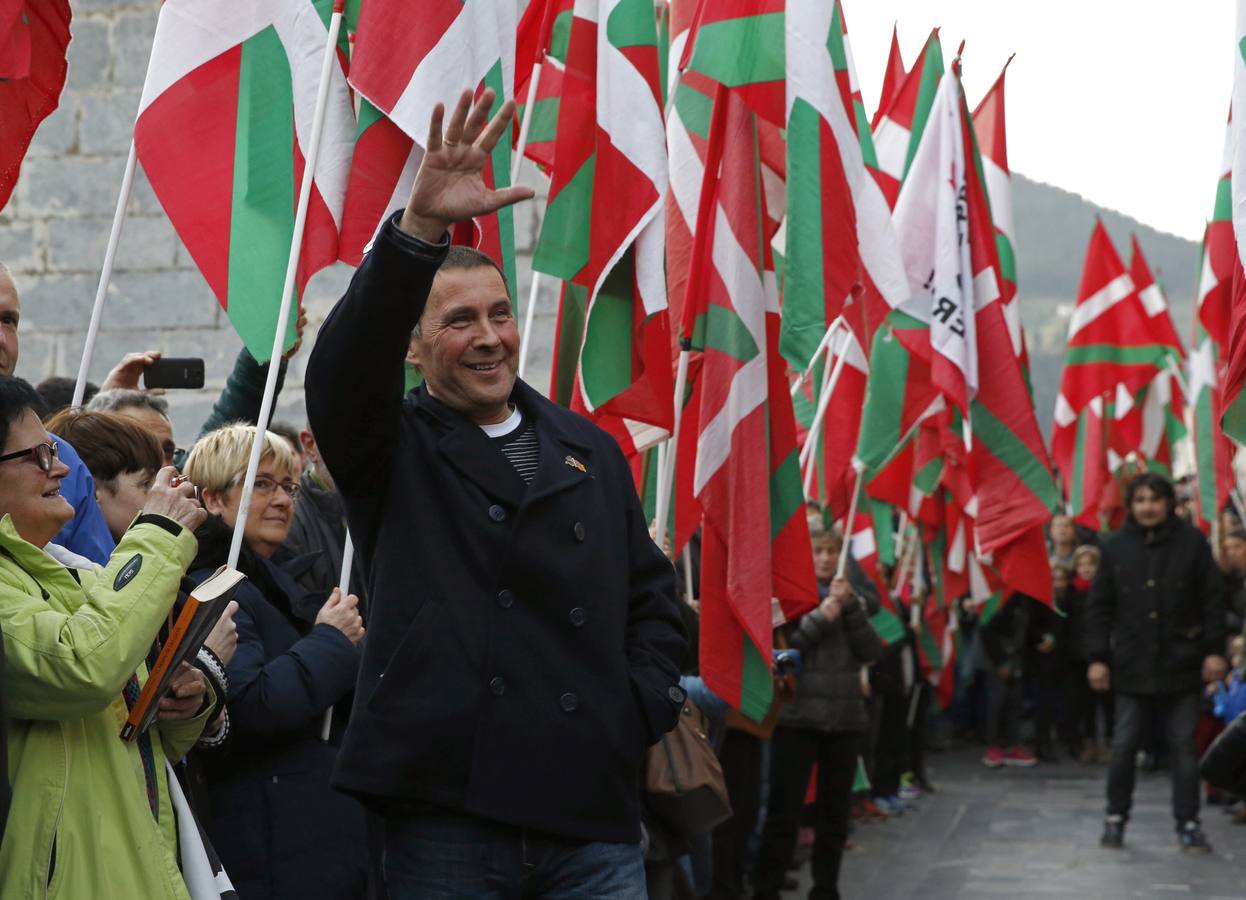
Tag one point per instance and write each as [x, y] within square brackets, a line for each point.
[198, 617]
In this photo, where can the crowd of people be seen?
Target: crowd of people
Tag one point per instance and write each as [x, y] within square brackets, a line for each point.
[474, 716]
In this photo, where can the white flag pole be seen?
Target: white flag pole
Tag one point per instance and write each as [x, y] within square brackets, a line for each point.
[846, 548]
[287, 290]
[807, 462]
[826, 339]
[666, 471]
[110, 255]
[343, 583]
[528, 314]
[525, 123]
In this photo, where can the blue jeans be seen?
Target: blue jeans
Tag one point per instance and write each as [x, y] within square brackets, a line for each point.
[436, 855]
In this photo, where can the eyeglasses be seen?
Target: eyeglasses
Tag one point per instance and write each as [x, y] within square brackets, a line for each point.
[46, 455]
[265, 486]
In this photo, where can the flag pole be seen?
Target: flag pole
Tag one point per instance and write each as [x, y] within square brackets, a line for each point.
[525, 123]
[842, 567]
[815, 427]
[666, 472]
[343, 583]
[287, 290]
[101, 292]
[528, 314]
[826, 339]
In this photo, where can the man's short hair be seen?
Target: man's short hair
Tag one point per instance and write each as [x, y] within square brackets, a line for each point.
[110, 444]
[118, 399]
[57, 393]
[1154, 482]
[16, 396]
[219, 459]
[290, 433]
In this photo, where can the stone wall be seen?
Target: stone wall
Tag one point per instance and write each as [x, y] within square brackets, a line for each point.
[54, 230]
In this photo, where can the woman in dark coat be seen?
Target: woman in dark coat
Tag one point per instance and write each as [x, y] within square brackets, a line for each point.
[280, 829]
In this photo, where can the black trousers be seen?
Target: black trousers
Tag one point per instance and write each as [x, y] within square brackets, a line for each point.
[1085, 705]
[740, 757]
[891, 744]
[1177, 716]
[793, 753]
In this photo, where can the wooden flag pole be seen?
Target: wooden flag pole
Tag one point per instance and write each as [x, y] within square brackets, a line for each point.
[343, 583]
[287, 290]
[110, 255]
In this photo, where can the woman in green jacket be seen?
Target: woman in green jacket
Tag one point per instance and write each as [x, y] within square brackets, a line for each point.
[91, 815]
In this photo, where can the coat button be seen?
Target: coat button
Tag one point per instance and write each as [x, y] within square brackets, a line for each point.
[496, 513]
[498, 686]
[577, 617]
[568, 702]
[579, 531]
[676, 694]
[506, 598]
[1150, 582]
[1154, 615]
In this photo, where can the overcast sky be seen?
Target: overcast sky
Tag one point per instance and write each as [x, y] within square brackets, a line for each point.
[1122, 102]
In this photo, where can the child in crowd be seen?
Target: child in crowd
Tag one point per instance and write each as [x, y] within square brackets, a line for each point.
[1085, 704]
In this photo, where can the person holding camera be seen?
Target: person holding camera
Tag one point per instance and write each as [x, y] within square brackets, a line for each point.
[824, 725]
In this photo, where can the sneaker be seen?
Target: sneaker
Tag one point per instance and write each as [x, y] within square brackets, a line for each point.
[1019, 756]
[1113, 832]
[1192, 839]
[993, 758]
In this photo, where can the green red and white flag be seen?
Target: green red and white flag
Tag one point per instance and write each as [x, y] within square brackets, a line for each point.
[1233, 412]
[899, 130]
[841, 256]
[611, 143]
[990, 129]
[223, 125]
[406, 59]
[893, 78]
[1111, 343]
[541, 54]
[1213, 451]
[863, 546]
[743, 470]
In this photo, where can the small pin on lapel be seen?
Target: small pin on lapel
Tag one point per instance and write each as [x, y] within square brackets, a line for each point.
[575, 464]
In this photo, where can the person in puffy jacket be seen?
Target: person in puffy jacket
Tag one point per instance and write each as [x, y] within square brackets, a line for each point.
[825, 724]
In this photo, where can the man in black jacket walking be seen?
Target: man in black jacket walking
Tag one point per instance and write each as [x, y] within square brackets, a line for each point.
[1155, 633]
[524, 638]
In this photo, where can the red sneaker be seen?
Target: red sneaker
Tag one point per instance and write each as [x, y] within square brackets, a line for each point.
[1019, 756]
[993, 758]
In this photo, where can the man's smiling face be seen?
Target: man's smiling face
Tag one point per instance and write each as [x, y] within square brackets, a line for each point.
[467, 347]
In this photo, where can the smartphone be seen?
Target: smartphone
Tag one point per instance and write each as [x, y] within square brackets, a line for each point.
[174, 374]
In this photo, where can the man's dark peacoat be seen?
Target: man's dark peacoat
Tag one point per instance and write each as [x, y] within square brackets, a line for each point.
[1156, 608]
[523, 640]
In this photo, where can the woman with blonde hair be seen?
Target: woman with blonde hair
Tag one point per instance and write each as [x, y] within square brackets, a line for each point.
[280, 829]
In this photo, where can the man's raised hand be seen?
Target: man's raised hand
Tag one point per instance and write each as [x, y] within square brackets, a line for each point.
[450, 186]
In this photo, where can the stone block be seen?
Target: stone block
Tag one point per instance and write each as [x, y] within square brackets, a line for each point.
[57, 303]
[160, 300]
[37, 358]
[58, 133]
[148, 242]
[90, 65]
[106, 123]
[131, 46]
[77, 245]
[82, 6]
[21, 247]
[143, 199]
[217, 347]
[110, 346]
[71, 186]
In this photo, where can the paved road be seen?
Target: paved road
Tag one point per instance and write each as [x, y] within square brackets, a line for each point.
[1016, 834]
